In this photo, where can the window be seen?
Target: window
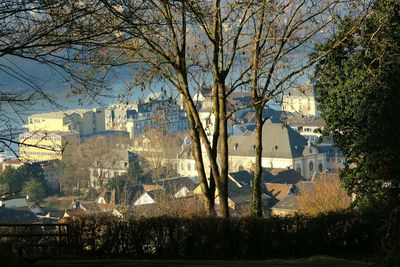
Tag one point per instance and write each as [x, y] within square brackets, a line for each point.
[320, 167]
[298, 170]
[275, 148]
[189, 166]
[253, 147]
[311, 166]
[235, 146]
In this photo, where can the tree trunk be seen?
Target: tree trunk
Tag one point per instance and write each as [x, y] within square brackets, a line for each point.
[256, 208]
[223, 152]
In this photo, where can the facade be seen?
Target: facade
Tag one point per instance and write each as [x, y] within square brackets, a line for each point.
[282, 148]
[308, 126]
[301, 100]
[83, 121]
[117, 115]
[43, 146]
[117, 164]
[159, 114]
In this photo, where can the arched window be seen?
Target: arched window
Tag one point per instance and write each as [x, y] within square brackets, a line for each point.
[298, 170]
[240, 168]
[311, 166]
[320, 167]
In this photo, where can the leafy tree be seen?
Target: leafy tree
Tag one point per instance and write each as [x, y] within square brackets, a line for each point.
[358, 86]
[14, 179]
[135, 175]
[34, 189]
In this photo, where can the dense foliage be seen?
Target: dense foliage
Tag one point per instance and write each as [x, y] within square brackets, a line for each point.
[28, 178]
[359, 94]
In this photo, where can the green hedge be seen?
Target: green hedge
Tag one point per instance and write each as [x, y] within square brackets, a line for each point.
[216, 238]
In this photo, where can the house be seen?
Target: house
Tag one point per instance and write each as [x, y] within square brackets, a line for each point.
[178, 187]
[150, 197]
[282, 148]
[290, 204]
[35, 208]
[117, 164]
[13, 201]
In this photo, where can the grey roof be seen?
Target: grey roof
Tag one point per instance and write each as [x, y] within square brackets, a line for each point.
[244, 178]
[278, 140]
[289, 176]
[302, 120]
[8, 215]
[240, 194]
[274, 115]
[290, 202]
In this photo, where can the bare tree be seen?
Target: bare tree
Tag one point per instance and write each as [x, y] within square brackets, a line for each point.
[49, 35]
[283, 35]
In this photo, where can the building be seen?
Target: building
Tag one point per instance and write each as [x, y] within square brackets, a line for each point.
[301, 100]
[282, 148]
[117, 115]
[116, 164]
[308, 126]
[43, 146]
[83, 121]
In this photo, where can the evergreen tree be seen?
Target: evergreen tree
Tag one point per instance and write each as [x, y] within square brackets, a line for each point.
[359, 95]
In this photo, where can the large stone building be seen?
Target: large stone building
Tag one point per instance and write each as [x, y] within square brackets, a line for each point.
[282, 148]
[138, 118]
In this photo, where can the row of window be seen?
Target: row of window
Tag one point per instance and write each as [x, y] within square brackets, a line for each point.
[40, 137]
[41, 154]
[188, 166]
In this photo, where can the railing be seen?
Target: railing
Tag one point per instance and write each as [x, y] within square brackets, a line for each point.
[37, 239]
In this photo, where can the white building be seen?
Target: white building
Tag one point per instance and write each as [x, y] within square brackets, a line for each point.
[301, 100]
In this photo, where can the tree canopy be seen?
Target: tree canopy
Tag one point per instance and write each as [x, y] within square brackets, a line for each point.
[359, 95]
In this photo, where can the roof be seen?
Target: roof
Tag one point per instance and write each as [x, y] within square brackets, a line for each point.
[171, 186]
[75, 213]
[290, 202]
[240, 194]
[279, 141]
[283, 176]
[302, 120]
[8, 215]
[273, 115]
[277, 190]
[242, 177]
[60, 114]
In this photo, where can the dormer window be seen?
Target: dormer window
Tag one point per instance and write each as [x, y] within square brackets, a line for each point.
[235, 146]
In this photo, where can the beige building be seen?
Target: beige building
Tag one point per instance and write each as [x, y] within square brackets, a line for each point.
[83, 121]
[43, 146]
